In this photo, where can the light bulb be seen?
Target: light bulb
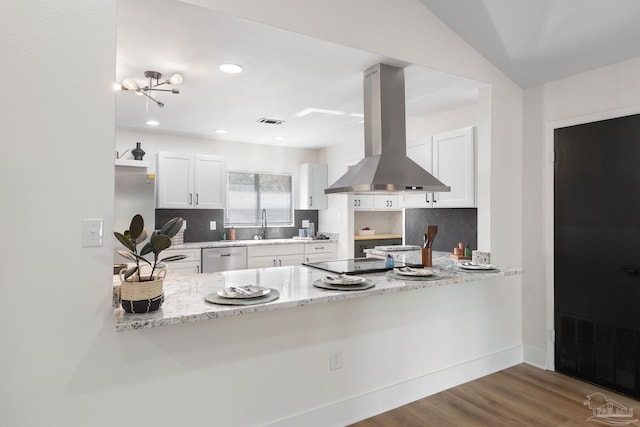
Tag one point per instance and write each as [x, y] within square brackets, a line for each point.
[176, 79]
[130, 84]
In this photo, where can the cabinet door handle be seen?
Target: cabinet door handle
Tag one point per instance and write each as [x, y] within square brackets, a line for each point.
[280, 262]
[274, 262]
[310, 200]
[229, 254]
[190, 199]
[197, 198]
[390, 203]
[198, 269]
[318, 248]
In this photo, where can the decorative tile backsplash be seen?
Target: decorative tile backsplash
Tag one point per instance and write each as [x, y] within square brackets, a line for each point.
[198, 224]
[454, 225]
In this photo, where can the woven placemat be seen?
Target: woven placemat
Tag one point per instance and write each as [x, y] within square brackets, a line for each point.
[214, 298]
[393, 275]
[359, 287]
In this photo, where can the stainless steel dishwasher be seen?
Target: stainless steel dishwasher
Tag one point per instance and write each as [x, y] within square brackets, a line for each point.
[224, 259]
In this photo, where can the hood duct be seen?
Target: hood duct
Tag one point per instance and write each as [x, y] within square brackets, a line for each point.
[385, 167]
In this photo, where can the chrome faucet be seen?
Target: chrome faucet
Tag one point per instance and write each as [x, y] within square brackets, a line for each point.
[263, 225]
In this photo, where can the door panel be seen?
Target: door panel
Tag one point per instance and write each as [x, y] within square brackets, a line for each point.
[597, 257]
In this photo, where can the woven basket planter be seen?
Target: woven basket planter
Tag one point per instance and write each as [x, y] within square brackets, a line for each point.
[142, 297]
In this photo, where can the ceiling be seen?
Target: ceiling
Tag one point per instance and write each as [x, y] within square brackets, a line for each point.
[537, 41]
[284, 73]
[531, 41]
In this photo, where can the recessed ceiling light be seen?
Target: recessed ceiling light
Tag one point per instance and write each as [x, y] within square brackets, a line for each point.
[279, 138]
[356, 115]
[306, 111]
[152, 122]
[221, 131]
[231, 68]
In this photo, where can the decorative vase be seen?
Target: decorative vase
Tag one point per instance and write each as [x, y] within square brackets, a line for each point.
[138, 153]
[142, 297]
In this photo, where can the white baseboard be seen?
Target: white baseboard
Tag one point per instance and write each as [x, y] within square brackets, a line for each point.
[369, 404]
[534, 356]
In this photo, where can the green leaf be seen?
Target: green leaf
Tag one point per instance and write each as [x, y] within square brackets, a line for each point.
[125, 241]
[172, 227]
[130, 272]
[146, 249]
[136, 227]
[173, 258]
[160, 242]
[140, 258]
[141, 238]
[128, 255]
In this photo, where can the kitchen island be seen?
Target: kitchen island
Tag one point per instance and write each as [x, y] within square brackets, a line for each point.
[185, 295]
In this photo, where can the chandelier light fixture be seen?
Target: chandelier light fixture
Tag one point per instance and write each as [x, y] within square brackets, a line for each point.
[154, 81]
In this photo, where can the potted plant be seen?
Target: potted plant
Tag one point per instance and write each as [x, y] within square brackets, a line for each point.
[140, 292]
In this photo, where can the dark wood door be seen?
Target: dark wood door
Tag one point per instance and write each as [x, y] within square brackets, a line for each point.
[597, 252]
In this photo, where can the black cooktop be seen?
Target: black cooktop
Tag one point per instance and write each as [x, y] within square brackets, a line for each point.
[356, 265]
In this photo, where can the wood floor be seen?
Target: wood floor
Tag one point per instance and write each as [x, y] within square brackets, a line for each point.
[518, 396]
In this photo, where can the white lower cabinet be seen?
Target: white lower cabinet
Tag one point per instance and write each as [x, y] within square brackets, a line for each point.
[275, 255]
[315, 252]
[189, 265]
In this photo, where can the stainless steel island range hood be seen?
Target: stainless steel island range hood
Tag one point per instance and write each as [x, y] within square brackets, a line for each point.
[385, 167]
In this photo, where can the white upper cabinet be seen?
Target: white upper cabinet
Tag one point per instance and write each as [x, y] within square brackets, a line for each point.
[313, 181]
[377, 202]
[190, 181]
[451, 158]
[210, 182]
[454, 163]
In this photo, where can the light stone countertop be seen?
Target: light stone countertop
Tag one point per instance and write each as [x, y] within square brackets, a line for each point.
[184, 295]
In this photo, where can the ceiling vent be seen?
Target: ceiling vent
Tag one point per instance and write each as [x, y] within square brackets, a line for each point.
[270, 121]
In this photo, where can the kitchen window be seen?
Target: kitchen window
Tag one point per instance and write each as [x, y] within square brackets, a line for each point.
[249, 193]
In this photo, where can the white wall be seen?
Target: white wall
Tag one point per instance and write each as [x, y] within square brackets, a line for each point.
[62, 362]
[608, 92]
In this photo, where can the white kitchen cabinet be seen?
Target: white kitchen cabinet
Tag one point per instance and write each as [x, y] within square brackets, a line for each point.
[190, 181]
[313, 181]
[275, 255]
[377, 202]
[454, 163]
[189, 265]
[451, 158]
[320, 251]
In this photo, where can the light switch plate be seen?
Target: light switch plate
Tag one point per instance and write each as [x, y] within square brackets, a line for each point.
[212, 225]
[91, 232]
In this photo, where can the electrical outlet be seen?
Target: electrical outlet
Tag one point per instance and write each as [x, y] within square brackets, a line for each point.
[212, 225]
[335, 359]
[184, 225]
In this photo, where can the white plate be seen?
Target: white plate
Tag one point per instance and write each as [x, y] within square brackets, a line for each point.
[408, 271]
[253, 292]
[472, 266]
[343, 280]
